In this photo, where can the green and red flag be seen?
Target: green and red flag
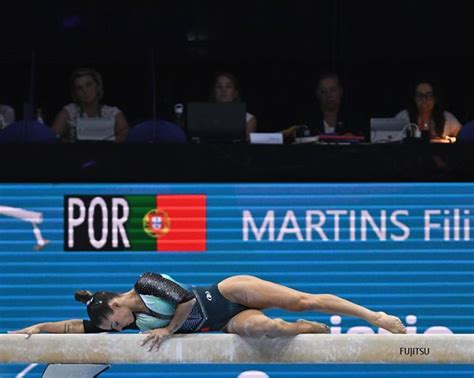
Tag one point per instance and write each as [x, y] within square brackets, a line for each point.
[167, 222]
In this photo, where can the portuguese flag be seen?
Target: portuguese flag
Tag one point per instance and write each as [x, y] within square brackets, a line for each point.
[167, 223]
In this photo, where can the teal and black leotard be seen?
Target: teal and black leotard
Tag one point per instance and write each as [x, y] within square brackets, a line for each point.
[161, 294]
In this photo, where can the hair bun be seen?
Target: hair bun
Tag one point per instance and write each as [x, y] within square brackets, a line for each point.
[83, 296]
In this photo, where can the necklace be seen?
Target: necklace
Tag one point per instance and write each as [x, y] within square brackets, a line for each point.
[424, 125]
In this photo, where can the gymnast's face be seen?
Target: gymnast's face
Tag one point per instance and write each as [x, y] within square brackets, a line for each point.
[120, 318]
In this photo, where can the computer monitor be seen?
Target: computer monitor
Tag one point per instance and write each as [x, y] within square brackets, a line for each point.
[388, 130]
[96, 129]
[216, 122]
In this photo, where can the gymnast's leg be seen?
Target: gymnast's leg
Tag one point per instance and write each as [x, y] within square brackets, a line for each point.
[255, 324]
[256, 293]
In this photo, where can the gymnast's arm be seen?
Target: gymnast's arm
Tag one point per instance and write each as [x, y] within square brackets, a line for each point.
[182, 312]
[65, 326]
[161, 287]
[157, 285]
[158, 335]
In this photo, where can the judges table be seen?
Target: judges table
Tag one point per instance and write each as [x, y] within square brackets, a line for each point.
[236, 163]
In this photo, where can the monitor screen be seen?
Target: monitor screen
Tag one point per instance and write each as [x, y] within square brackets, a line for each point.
[218, 122]
[96, 129]
[386, 130]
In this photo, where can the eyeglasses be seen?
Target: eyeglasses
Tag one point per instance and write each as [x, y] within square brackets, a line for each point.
[426, 96]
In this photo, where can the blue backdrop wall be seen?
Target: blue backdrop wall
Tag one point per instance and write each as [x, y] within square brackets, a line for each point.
[402, 248]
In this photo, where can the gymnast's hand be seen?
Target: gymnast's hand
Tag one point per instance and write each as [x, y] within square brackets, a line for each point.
[156, 337]
[28, 331]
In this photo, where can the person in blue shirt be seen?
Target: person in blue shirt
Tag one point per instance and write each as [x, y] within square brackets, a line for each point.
[161, 306]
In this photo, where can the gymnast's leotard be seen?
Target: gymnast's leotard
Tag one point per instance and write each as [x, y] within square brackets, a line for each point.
[161, 294]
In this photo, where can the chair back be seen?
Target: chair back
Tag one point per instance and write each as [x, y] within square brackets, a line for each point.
[27, 132]
[466, 134]
[156, 132]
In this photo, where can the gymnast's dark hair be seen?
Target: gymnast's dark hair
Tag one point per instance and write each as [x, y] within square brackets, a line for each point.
[97, 304]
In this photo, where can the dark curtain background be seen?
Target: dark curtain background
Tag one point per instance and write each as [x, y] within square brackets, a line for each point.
[277, 49]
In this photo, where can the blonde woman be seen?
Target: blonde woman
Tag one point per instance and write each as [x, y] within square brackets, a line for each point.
[87, 91]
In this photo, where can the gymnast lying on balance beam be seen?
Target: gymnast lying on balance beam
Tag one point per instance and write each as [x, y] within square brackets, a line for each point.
[160, 306]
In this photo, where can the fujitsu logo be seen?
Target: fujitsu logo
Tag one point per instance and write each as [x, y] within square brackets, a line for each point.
[414, 351]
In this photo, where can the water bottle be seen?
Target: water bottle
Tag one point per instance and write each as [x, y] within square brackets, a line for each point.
[179, 115]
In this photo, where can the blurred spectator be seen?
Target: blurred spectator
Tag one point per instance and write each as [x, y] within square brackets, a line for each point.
[329, 115]
[87, 92]
[225, 88]
[426, 109]
[7, 116]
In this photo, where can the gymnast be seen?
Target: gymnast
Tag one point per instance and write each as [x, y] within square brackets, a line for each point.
[160, 306]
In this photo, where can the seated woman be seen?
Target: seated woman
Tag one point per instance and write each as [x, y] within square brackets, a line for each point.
[329, 115]
[426, 110]
[225, 88]
[7, 116]
[162, 306]
[87, 92]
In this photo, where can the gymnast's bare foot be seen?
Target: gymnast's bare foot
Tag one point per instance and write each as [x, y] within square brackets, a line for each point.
[317, 327]
[389, 322]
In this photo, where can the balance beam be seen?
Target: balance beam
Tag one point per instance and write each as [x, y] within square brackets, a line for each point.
[224, 348]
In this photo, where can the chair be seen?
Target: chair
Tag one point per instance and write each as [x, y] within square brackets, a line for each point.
[27, 132]
[466, 134]
[156, 132]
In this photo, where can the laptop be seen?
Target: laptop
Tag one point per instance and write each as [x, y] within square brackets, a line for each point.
[216, 122]
[96, 129]
[387, 130]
